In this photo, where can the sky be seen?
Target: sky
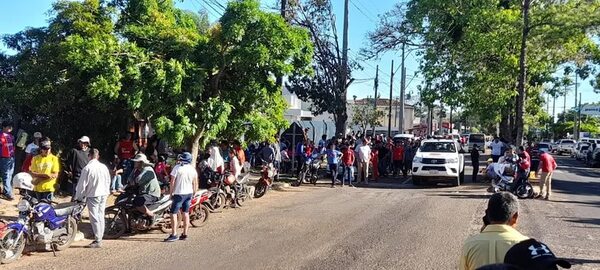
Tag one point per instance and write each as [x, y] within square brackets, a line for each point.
[363, 17]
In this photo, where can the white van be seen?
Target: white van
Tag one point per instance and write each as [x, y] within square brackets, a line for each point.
[476, 139]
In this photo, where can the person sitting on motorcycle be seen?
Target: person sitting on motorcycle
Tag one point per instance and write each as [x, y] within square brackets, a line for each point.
[509, 156]
[147, 187]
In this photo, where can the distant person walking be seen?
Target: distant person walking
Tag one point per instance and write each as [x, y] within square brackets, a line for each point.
[364, 156]
[348, 159]
[546, 169]
[94, 186]
[496, 146]
[333, 157]
[475, 162]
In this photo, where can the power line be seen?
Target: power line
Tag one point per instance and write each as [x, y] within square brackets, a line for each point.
[218, 4]
[363, 13]
[367, 8]
[219, 13]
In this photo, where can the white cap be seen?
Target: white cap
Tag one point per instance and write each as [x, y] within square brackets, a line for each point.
[84, 139]
[37, 135]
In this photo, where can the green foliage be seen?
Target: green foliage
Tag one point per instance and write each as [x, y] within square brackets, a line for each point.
[470, 50]
[100, 60]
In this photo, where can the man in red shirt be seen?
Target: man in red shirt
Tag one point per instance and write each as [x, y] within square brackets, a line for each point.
[547, 167]
[348, 164]
[7, 160]
[398, 157]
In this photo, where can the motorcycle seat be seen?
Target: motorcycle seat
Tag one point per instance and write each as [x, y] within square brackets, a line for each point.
[166, 199]
[65, 209]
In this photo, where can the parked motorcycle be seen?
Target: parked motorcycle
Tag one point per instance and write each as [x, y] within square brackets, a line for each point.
[241, 190]
[40, 223]
[217, 197]
[310, 170]
[266, 180]
[507, 179]
[123, 217]
[198, 211]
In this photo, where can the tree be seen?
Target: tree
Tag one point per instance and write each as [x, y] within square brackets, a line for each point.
[324, 88]
[365, 115]
[147, 58]
[475, 47]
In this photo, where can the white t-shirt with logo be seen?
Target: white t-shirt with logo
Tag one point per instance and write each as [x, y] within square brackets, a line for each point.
[31, 148]
[184, 179]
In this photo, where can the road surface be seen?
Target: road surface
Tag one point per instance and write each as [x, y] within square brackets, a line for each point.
[380, 227]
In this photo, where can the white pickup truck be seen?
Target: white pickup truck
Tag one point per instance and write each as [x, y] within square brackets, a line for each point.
[565, 146]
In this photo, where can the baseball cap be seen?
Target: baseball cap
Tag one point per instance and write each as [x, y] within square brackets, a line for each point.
[45, 145]
[84, 139]
[37, 135]
[534, 255]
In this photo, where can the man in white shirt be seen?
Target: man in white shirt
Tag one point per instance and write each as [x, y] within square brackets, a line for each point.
[496, 146]
[94, 187]
[35, 144]
[364, 157]
[182, 187]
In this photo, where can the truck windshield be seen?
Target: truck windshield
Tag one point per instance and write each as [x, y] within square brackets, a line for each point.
[445, 147]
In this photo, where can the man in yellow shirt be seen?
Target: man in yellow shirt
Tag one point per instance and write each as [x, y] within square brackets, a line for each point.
[44, 170]
[497, 237]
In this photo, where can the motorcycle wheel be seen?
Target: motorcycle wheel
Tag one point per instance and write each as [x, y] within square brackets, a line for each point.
[524, 191]
[116, 224]
[166, 225]
[218, 202]
[260, 189]
[66, 240]
[199, 216]
[11, 239]
[241, 196]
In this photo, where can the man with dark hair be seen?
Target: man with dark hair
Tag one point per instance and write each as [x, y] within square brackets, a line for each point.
[94, 187]
[475, 161]
[77, 159]
[498, 235]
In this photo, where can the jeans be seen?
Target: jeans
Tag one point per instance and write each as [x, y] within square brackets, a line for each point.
[116, 183]
[7, 167]
[127, 169]
[334, 172]
[347, 174]
[96, 207]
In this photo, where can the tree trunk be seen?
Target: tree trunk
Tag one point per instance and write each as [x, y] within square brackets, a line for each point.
[519, 123]
[505, 129]
[340, 122]
[196, 146]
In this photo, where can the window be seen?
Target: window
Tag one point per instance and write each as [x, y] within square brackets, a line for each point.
[444, 147]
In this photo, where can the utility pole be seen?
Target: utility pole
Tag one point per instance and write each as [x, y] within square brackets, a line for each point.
[344, 77]
[390, 103]
[565, 106]
[402, 91]
[279, 80]
[576, 121]
[375, 98]
[578, 117]
[553, 114]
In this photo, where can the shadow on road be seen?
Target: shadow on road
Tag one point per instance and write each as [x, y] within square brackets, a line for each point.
[593, 221]
[575, 187]
[596, 203]
[462, 195]
[581, 261]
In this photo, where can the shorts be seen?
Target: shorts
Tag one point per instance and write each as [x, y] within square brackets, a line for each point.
[181, 202]
[144, 199]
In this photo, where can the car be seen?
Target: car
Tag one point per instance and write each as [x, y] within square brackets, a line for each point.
[565, 146]
[578, 147]
[403, 137]
[592, 158]
[581, 150]
[476, 138]
[438, 160]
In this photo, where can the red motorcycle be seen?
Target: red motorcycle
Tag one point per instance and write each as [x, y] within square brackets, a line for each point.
[199, 210]
[265, 181]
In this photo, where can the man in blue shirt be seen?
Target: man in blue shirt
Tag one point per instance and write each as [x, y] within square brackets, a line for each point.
[333, 159]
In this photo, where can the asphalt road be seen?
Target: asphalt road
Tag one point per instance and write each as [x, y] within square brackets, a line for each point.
[380, 227]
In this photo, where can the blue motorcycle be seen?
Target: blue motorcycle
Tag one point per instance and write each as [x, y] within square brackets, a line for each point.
[40, 223]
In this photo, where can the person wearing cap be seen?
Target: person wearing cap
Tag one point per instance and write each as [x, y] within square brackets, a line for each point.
[497, 236]
[146, 183]
[93, 187]
[35, 144]
[7, 160]
[533, 255]
[77, 159]
[545, 171]
[182, 189]
[44, 169]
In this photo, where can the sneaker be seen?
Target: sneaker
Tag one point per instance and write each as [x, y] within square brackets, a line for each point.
[183, 237]
[95, 244]
[547, 198]
[171, 238]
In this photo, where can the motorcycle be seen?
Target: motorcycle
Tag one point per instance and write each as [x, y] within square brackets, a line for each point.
[507, 179]
[310, 170]
[241, 191]
[123, 216]
[265, 181]
[198, 211]
[216, 192]
[40, 223]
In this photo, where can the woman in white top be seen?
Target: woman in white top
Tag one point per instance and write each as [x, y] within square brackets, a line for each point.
[215, 160]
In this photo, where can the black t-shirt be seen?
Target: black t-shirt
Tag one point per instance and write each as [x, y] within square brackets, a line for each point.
[77, 160]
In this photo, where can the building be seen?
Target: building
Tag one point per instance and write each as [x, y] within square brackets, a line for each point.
[383, 105]
[298, 110]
